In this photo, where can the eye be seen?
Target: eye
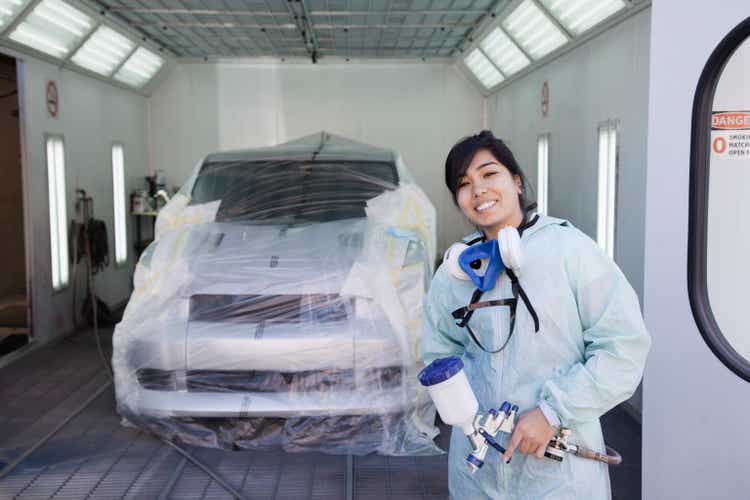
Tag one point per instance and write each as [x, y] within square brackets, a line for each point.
[462, 184]
[489, 174]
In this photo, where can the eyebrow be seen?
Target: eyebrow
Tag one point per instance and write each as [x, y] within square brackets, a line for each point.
[486, 164]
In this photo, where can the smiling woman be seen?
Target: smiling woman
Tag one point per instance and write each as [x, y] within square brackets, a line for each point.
[579, 346]
[487, 183]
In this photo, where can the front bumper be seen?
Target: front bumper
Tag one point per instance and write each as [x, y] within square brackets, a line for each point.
[231, 370]
[190, 404]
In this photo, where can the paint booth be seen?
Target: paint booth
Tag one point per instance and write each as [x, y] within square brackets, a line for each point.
[221, 220]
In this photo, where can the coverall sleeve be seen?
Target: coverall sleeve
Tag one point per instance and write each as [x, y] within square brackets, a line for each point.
[440, 336]
[614, 335]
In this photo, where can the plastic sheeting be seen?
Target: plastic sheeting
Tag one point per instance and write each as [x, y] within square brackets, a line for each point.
[281, 303]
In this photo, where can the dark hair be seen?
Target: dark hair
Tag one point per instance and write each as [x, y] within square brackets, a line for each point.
[462, 154]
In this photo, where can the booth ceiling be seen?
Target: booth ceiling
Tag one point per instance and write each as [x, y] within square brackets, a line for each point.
[281, 28]
[355, 28]
[128, 41]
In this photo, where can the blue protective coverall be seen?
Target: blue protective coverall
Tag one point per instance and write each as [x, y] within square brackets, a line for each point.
[587, 357]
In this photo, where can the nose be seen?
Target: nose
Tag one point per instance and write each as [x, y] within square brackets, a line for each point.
[479, 189]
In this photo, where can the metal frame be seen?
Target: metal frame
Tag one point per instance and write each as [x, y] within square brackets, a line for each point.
[345, 13]
[318, 28]
[700, 168]
[26, 192]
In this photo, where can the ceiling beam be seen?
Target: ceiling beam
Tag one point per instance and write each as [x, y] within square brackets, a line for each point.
[293, 26]
[336, 13]
[298, 25]
[310, 30]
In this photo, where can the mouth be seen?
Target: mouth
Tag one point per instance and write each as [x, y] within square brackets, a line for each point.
[485, 206]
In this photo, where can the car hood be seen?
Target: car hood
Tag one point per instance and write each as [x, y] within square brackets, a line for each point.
[266, 259]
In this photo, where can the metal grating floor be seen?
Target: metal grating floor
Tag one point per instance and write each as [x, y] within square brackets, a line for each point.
[92, 456]
[61, 392]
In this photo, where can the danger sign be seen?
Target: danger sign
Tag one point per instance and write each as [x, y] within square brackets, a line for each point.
[730, 120]
[730, 135]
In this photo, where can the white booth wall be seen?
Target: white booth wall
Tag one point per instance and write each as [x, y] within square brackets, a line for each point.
[695, 437]
[418, 109]
[605, 78]
[92, 116]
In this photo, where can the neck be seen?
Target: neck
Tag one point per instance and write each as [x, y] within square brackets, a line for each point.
[491, 232]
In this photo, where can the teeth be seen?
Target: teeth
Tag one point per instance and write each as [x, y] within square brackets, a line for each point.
[485, 205]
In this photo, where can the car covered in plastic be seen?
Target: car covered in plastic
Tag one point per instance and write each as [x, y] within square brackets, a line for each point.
[281, 303]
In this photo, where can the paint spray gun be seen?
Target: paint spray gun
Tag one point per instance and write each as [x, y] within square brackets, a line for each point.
[457, 405]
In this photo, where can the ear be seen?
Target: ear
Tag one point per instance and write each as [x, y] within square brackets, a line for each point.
[519, 184]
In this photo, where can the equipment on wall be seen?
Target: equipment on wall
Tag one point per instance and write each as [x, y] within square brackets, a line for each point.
[457, 405]
[153, 198]
[89, 241]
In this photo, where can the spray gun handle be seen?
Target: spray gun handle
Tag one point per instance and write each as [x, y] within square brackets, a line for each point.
[491, 441]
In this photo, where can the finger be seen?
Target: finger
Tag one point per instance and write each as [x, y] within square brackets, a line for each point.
[539, 453]
[526, 446]
[515, 440]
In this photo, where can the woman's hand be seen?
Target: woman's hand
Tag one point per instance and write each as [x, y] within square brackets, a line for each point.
[532, 434]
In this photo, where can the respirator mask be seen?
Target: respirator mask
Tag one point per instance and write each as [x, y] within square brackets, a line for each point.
[482, 262]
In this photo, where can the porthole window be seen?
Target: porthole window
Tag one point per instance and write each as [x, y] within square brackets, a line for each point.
[719, 229]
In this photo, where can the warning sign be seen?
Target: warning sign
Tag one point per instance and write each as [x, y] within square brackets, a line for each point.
[730, 120]
[730, 134]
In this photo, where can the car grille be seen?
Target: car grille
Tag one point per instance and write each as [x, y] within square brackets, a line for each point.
[319, 308]
[272, 381]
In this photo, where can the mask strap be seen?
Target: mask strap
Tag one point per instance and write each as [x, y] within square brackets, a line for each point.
[527, 224]
[465, 313]
[476, 240]
[518, 290]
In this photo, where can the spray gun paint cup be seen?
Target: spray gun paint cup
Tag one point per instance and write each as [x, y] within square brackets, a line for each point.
[449, 389]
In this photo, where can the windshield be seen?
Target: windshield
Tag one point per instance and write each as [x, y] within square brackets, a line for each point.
[292, 192]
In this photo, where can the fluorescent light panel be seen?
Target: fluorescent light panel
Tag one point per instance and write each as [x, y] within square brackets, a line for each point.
[533, 30]
[607, 188]
[579, 15]
[139, 68]
[504, 52]
[9, 9]
[542, 178]
[58, 217]
[104, 51]
[483, 69]
[118, 192]
[53, 27]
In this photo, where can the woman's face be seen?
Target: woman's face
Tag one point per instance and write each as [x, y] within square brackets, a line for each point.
[488, 194]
